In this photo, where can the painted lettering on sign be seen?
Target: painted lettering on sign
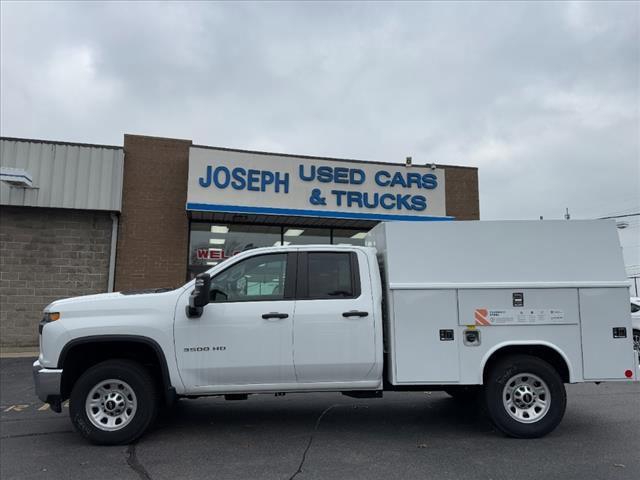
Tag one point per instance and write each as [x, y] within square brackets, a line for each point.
[247, 182]
[240, 178]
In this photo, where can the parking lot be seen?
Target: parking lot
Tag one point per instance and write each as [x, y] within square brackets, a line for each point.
[324, 436]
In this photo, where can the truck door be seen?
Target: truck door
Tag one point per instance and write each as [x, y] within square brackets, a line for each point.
[334, 334]
[244, 336]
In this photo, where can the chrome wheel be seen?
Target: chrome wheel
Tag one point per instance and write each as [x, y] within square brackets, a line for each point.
[111, 405]
[526, 398]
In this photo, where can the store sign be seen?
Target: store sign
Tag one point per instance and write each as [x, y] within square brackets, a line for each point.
[243, 182]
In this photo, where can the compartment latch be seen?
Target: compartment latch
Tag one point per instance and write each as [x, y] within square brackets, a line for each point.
[619, 332]
[446, 335]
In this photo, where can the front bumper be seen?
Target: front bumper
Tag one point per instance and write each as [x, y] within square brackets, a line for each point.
[48, 382]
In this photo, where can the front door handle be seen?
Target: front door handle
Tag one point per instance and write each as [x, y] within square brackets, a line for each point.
[277, 315]
[355, 313]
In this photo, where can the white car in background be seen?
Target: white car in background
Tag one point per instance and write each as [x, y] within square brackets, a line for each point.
[635, 323]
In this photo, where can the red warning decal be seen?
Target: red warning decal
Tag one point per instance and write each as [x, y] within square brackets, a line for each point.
[481, 316]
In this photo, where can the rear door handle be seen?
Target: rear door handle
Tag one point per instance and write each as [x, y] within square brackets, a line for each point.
[277, 315]
[355, 313]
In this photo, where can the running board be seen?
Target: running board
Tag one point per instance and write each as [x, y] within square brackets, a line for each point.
[363, 393]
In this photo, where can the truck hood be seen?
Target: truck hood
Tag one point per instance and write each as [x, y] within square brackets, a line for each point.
[99, 300]
[145, 314]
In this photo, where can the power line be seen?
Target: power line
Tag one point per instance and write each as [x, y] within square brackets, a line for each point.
[636, 214]
[622, 211]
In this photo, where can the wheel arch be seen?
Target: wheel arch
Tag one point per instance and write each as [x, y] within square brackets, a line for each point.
[96, 348]
[544, 350]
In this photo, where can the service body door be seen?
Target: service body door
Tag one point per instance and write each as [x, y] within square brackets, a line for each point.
[334, 330]
[605, 322]
[244, 336]
[426, 340]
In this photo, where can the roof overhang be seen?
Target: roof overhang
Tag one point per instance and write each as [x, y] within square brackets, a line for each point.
[16, 177]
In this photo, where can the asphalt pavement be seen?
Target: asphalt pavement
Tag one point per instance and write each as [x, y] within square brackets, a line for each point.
[324, 436]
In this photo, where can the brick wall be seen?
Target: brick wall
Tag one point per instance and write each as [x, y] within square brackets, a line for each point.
[461, 197]
[47, 254]
[153, 238]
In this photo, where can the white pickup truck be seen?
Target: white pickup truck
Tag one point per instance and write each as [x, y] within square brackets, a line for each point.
[499, 313]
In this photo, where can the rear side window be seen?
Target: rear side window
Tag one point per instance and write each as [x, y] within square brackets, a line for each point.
[332, 275]
[635, 308]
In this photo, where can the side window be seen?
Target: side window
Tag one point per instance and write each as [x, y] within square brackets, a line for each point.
[256, 278]
[332, 275]
[635, 308]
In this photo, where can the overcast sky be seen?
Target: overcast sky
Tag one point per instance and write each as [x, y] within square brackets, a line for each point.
[544, 98]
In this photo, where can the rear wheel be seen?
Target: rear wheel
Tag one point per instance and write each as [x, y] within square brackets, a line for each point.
[525, 396]
[113, 402]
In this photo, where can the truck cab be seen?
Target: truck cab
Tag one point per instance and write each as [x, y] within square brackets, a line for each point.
[282, 319]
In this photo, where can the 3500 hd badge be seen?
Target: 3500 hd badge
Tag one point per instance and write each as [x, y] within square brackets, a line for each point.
[204, 349]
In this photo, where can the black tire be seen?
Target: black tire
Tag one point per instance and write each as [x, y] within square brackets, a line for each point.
[464, 393]
[505, 382]
[134, 376]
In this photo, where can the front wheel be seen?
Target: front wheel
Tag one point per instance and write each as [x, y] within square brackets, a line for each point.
[113, 402]
[525, 396]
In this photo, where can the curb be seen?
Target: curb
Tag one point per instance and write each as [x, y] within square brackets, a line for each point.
[19, 354]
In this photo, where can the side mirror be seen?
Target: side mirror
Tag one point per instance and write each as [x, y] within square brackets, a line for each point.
[200, 295]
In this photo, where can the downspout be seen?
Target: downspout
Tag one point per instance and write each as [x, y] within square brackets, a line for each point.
[112, 255]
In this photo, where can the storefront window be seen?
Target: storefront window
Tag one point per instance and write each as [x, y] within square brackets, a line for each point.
[348, 237]
[306, 236]
[211, 243]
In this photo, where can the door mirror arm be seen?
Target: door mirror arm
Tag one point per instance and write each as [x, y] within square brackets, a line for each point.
[217, 295]
[199, 298]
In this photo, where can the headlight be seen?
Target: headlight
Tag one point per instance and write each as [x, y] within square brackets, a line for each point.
[47, 318]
